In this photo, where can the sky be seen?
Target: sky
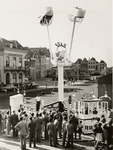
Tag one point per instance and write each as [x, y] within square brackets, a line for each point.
[92, 37]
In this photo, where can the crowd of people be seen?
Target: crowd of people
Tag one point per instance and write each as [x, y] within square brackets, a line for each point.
[52, 125]
[103, 133]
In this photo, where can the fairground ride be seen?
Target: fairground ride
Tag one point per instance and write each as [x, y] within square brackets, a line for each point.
[62, 56]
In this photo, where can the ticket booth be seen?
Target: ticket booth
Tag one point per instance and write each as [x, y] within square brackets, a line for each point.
[16, 101]
[89, 110]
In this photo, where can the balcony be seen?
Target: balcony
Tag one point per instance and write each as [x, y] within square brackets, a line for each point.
[12, 68]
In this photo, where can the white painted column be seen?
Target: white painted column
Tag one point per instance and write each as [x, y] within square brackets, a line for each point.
[60, 81]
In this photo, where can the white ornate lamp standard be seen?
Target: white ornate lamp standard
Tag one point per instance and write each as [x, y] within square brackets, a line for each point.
[61, 60]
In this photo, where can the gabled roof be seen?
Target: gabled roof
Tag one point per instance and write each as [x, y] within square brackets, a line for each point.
[102, 61]
[85, 60]
[93, 59]
[10, 44]
[78, 61]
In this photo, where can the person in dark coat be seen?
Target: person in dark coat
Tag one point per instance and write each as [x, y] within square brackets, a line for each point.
[51, 132]
[69, 128]
[56, 123]
[14, 121]
[60, 125]
[45, 121]
[74, 120]
[109, 128]
[64, 130]
[39, 122]
[31, 127]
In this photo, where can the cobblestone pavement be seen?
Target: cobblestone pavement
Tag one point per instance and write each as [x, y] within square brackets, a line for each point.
[7, 143]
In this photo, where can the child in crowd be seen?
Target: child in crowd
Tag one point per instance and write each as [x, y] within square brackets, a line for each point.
[98, 135]
[95, 125]
[80, 126]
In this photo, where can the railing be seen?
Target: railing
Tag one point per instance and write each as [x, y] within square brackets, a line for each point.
[14, 68]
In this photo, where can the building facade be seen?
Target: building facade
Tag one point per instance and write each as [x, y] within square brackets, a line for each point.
[12, 63]
[90, 66]
[42, 63]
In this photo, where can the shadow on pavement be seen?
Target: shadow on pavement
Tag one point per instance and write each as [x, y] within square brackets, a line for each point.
[12, 143]
[44, 145]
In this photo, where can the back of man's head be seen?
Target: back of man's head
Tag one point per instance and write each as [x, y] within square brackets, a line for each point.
[21, 118]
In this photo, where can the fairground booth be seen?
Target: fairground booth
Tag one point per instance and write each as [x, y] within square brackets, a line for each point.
[16, 102]
[89, 110]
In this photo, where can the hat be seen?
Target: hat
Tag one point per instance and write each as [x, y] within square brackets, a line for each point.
[103, 120]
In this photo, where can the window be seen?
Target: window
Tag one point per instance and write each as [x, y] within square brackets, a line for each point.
[20, 77]
[14, 77]
[7, 61]
[14, 61]
[20, 62]
[90, 108]
[106, 107]
[86, 108]
[86, 127]
[90, 128]
[100, 105]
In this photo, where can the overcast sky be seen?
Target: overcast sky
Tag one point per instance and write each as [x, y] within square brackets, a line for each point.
[92, 38]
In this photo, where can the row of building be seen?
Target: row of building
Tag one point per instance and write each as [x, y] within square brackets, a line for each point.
[13, 60]
[85, 69]
[90, 65]
[18, 63]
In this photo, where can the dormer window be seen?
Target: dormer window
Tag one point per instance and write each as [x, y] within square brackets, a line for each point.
[11, 45]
